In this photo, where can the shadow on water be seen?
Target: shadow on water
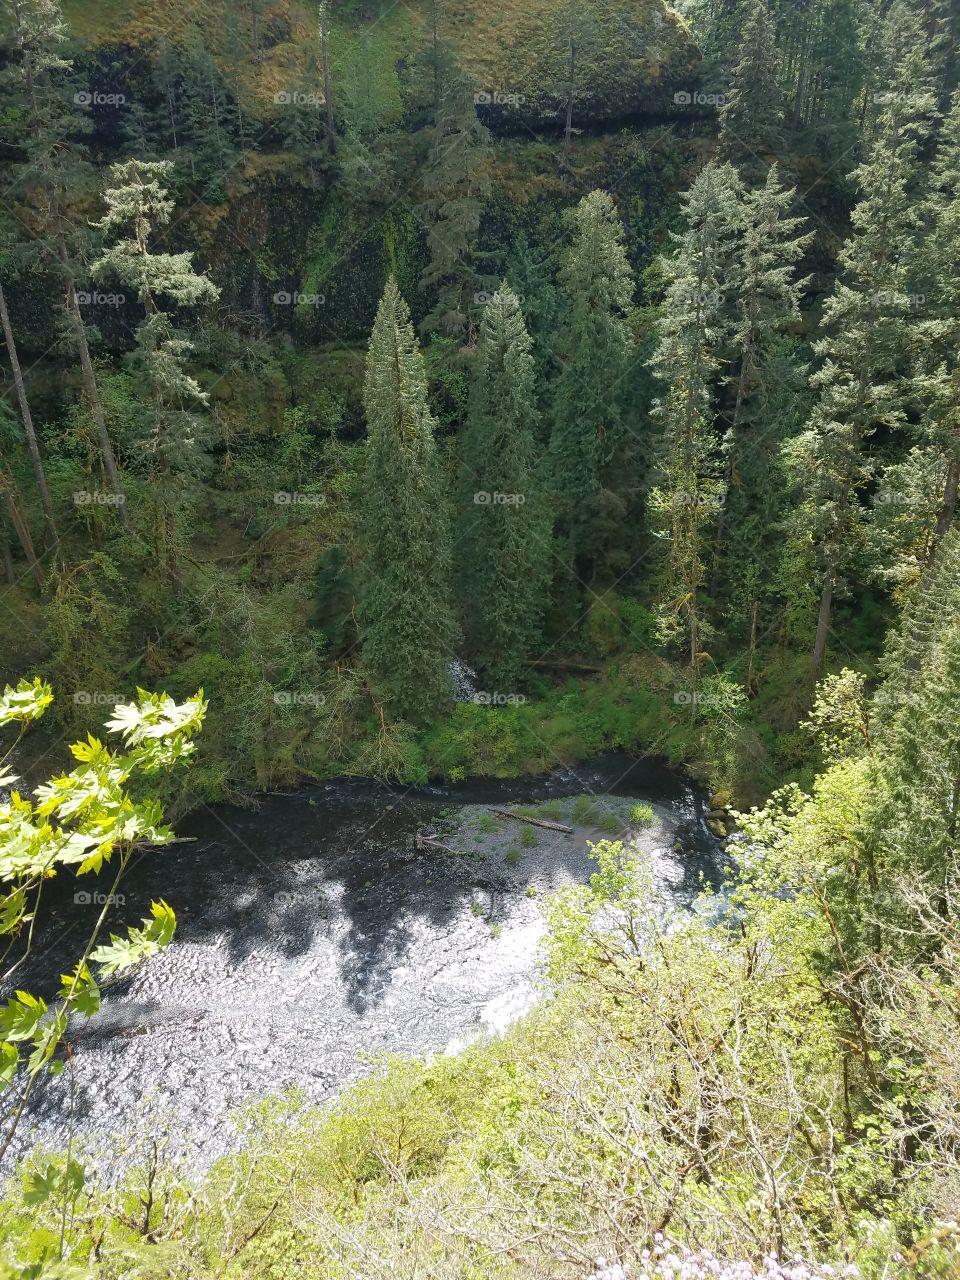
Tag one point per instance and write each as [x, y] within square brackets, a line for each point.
[348, 936]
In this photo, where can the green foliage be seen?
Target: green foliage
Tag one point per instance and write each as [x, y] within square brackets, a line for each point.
[407, 628]
[589, 439]
[455, 184]
[693, 330]
[503, 543]
[81, 821]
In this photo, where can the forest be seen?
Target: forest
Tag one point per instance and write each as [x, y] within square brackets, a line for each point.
[420, 395]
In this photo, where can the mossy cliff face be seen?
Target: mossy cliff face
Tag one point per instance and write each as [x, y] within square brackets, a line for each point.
[629, 55]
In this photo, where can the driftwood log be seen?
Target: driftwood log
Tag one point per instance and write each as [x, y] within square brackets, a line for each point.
[424, 842]
[534, 822]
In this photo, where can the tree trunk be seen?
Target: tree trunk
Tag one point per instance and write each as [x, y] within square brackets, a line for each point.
[823, 626]
[533, 822]
[753, 648]
[327, 83]
[257, 55]
[948, 506]
[16, 519]
[571, 86]
[169, 530]
[435, 23]
[9, 572]
[38, 472]
[90, 384]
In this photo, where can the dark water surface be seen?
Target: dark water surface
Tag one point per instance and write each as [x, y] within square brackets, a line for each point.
[312, 933]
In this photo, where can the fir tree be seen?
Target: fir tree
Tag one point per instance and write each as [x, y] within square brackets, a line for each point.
[916, 800]
[860, 381]
[55, 161]
[503, 543]
[594, 346]
[407, 625]
[456, 184]
[938, 333]
[766, 390]
[174, 432]
[751, 118]
[693, 332]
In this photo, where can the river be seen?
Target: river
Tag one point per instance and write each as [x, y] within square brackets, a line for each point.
[312, 934]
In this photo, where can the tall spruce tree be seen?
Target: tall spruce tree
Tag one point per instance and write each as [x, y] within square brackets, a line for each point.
[503, 540]
[174, 433]
[694, 331]
[594, 346]
[751, 118]
[407, 626]
[860, 382]
[456, 183]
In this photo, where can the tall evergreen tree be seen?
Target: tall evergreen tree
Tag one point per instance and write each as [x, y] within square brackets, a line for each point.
[33, 446]
[751, 118]
[916, 800]
[594, 346]
[55, 162]
[766, 391]
[173, 435]
[860, 381]
[693, 332]
[407, 626]
[938, 333]
[456, 184]
[503, 544]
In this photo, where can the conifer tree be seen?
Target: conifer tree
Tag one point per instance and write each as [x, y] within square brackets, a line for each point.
[334, 600]
[860, 382]
[938, 333]
[54, 160]
[503, 539]
[751, 118]
[916, 800]
[456, 184]
[766, 389]
[173, 435]
[693, 332]
[407, 626]
[33, 446]
[594, 346]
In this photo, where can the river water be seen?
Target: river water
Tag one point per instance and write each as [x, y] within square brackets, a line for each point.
[312, 935]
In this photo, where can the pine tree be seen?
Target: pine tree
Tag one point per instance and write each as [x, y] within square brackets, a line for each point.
[766, 390]
[594, 346]
[503, 540]
[751, 118]
[456, 184]
[860, 381]
[407, 626]
[693, 332]
[174, 433]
